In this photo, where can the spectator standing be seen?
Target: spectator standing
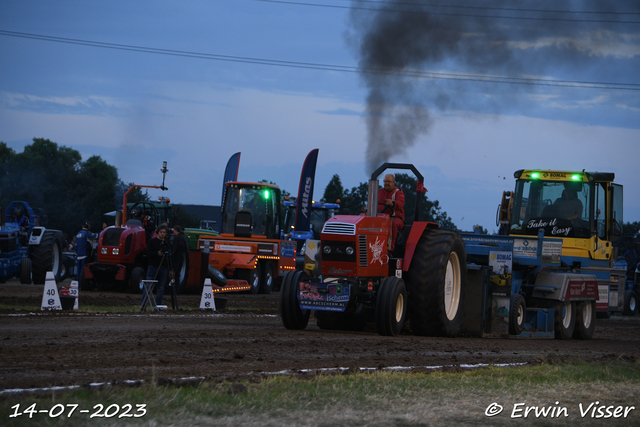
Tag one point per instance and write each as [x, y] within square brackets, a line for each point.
[83, 248]
[159, 254]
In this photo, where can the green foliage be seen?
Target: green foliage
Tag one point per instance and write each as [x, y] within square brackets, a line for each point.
[334, 190]
[185, 219]
[631, 228]
[55, 178]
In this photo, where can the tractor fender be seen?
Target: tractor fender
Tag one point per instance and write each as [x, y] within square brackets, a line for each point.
[36, 235]
[417, 229]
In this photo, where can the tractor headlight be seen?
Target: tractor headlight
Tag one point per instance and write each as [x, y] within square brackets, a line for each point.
[349, 250]
[116, 251]
[326, 250]
[103, 251]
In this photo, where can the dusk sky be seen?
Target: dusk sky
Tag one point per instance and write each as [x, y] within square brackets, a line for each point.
[467, 94]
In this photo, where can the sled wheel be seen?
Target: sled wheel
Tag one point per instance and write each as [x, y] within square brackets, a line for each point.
[216, 276]
[517, 312]
[585, 320]
[565, 320]
[630, 303]
[266, 281]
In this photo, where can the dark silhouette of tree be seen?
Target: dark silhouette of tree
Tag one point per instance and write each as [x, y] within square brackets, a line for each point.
[334, 190]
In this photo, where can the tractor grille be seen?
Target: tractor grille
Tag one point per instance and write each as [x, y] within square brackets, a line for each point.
[362, 250]
[112, 237]
[8, 244]
[339, 228]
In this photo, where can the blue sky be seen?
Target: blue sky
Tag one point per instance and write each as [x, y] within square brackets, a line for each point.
[137, 109]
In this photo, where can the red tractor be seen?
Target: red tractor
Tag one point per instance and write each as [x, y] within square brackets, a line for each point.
[121, 256]
[357, 279]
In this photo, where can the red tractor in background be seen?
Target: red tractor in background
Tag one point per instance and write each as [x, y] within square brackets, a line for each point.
[121, 256]
[357, 279]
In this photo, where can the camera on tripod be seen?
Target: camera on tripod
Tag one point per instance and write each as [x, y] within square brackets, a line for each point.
[165, 246]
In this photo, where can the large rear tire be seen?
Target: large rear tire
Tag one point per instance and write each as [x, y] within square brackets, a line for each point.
[585, 320]
[437, 284]
[47, 256]
[25, 271]
[391, 306]
[293, 317]
[565, 320]
[517, 313]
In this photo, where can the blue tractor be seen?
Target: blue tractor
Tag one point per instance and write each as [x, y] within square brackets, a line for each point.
[27, 248]
[320, 213]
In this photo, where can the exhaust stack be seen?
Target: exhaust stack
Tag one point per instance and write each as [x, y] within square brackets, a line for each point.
[373, 198]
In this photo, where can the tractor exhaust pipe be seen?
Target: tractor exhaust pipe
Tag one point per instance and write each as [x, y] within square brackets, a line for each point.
[373, 198]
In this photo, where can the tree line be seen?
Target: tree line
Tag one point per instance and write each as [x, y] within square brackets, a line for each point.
[54, 178]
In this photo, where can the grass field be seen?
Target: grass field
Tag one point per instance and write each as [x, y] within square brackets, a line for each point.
[544, 394]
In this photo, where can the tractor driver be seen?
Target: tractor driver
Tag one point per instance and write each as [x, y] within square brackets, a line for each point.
[391, 202]
[569, 206]
[21, 219]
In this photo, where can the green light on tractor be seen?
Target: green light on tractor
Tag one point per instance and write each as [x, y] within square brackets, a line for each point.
[266, 194]
[535, 175]
[576, 177]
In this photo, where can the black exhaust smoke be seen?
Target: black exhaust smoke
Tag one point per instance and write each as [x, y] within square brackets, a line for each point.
[415, 55]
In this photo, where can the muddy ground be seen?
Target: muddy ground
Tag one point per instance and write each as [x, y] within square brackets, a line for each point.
[246, 340]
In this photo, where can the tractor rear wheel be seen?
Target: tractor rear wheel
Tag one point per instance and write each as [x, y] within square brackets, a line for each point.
[565, 320]
[391, 306]
[25, 271]
[437, 284]
[517, 312]
[47, 256]
[293, 317]
[585, 320]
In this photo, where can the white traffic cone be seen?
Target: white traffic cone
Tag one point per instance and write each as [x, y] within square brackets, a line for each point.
[74, 291]
[50, 297]
[207, 302]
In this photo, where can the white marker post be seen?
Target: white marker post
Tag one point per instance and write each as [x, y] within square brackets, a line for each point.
[50, 297]
[207, 302]
[74, 291]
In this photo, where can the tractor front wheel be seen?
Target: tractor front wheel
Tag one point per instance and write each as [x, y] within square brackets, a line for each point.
[391, 306]
[25, 271]
[293, 317]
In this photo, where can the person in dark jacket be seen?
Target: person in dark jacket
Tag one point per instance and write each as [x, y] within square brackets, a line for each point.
[83, 248]
[180, 255]
[159, 255]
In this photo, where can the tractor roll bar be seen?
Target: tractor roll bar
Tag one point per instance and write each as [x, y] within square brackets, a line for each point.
[373, 186]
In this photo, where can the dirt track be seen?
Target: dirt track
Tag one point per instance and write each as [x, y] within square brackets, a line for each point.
[43, 349]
